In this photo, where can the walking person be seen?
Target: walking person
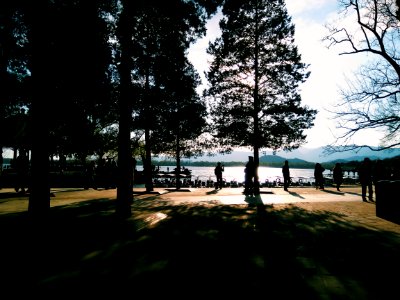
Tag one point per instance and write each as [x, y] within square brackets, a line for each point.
[218, 173]
[319, 177]
[286, 175]
[365, 177]
[338, 175]
[249, 173]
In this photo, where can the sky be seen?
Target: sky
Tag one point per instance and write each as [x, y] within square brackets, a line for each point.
[329, 70]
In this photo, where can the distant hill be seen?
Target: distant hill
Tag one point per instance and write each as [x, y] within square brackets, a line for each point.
[318, 155]
[304, 154]
[272, 159]
[278, 161]
[296, 157]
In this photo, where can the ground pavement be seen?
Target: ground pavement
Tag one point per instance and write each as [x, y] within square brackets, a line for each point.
[195, 243]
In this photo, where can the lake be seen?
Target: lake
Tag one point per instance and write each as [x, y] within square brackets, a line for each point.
[237, 173]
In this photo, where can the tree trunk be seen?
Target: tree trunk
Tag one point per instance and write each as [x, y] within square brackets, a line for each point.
[178, 162]
[124, 187]
[256, 136]
[148, 172]
[39, 199]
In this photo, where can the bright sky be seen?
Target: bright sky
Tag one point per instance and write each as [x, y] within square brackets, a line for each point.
[328, 69]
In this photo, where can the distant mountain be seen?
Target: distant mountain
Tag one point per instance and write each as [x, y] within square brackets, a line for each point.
[318, 155]
[300, 155]
[272, 159]
[280, 159]
[305, 154]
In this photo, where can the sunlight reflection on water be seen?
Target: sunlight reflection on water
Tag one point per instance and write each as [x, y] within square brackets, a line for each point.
[237, 173]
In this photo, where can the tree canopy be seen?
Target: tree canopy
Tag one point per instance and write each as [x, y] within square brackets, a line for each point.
[255, 76]
[100, 65]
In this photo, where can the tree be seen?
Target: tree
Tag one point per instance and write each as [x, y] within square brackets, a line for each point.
[67, 49]
[183, 119]
[160, 34]
[13, 77]
[371, 99]
[254, 79]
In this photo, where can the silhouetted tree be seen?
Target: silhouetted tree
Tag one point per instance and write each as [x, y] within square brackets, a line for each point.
[68, 63]
[40, 22]
[14, 102]
[124, 32]
[254, 79]
[69, 59]
[183, 118]
[371, 99]
[158, 28]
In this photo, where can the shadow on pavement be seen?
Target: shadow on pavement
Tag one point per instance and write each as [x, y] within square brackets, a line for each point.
[10, 195]
[212, 192]
[333, 192]
[294, 194]
[199, 250]
[352, 193]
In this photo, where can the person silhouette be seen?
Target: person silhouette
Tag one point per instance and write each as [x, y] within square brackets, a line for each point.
[22, 169]
[319, 177]
[338, 175]
[249, 173]
[286, 175]
[218, 173]
[365, 177]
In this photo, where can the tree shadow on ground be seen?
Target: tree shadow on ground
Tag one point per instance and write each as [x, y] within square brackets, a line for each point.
[10, 195]
[196, 250]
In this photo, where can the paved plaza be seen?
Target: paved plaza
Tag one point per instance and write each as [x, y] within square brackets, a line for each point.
[202, 242]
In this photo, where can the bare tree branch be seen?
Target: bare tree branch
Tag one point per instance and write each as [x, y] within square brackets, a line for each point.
[372, 98]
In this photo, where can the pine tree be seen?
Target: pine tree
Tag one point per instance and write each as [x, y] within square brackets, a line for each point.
[254, 79]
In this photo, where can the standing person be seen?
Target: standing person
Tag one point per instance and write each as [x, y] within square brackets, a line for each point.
[286, 175]
[365, 176]
[338, 175]
[90, 174]
[218, 173]
[249, 173]
[22, 168]
[319, 177]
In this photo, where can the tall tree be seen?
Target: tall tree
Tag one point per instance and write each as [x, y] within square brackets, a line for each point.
[39, 18]
[69, 70]
[159, 28]
[183, 118]
[371, 99]
[13, 76]
[254, 79]
[125, 31]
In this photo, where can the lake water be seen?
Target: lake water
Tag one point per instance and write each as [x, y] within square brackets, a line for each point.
[237, 173]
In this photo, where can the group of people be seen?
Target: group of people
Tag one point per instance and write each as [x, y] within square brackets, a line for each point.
[102, 174]
[249, 174]
[367, 176]
[318, 175]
